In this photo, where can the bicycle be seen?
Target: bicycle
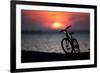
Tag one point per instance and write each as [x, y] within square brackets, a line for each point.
[69, 44]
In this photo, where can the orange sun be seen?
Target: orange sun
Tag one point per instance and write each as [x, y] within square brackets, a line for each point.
[57, 25]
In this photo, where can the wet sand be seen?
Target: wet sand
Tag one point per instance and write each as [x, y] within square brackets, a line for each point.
[33, 56]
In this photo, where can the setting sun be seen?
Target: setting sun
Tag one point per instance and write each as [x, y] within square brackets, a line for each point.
[57, 25]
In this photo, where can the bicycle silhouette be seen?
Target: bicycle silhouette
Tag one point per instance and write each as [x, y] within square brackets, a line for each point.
[69, 44]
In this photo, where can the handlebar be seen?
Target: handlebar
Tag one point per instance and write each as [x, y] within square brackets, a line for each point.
[65, 28]
[68, 27]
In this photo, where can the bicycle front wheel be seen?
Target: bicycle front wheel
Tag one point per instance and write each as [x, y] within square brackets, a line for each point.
[66, 45]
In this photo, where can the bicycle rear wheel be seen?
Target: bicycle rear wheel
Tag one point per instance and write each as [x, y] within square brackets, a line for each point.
[66, 45]
[75, 46]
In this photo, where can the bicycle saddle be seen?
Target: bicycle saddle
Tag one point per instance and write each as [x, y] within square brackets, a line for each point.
[71, 33]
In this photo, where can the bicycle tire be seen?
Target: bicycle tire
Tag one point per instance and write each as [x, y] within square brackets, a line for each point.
[65, 48]
[76, 48]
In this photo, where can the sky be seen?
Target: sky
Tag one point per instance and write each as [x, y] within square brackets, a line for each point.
[49, 20]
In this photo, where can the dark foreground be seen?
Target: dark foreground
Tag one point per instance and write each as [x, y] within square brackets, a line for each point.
[31, 56]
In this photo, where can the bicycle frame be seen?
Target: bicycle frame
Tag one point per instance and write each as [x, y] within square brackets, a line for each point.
[67, 34]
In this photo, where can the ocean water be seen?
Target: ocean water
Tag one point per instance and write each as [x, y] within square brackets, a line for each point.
[51, 42]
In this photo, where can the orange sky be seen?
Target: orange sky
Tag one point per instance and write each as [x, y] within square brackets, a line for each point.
[54, 20]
